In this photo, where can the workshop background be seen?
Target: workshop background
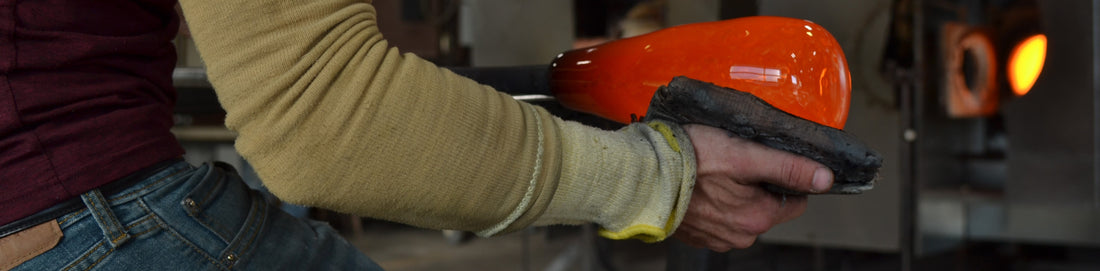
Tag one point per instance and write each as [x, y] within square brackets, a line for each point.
[979, 174]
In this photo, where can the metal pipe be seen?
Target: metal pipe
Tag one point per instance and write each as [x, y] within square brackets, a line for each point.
[530, 98]
[910, 112]
[1096, 103]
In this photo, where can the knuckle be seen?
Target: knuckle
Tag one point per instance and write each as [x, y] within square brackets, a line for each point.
[789, 171]
[722, 247]
[723, 244]
[792, 173]
[798, 207]
[756, 226]
[744, 242]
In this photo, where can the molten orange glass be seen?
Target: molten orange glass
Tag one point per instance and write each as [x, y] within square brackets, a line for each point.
[1026, 62]
[795, 65]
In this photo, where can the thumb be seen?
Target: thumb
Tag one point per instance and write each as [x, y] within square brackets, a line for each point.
[791, 171]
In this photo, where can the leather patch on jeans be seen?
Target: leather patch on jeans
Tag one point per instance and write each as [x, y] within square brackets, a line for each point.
[27, 244]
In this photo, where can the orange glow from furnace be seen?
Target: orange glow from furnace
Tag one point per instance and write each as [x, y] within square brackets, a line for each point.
[1026, 62]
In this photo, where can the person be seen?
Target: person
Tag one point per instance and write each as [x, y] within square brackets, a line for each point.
[330, 116]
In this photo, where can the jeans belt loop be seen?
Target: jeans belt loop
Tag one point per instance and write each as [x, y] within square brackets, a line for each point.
[101, 211]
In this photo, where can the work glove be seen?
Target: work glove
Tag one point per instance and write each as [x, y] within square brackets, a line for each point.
[635, 182]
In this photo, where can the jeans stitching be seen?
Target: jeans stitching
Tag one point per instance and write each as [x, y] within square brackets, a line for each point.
[89, 253]
[138, 222]
[235, 247]
[171, 231]
[262, 208]
[103, 213]
[114, 199]
[131, 226]
[71, 215]
[222, 231]
[210, 192]
[147, 231]
[196, 249]
[205, 195]
[134, 224]
[96, 212]
[104, 256]
[201, 217]
[143, 188]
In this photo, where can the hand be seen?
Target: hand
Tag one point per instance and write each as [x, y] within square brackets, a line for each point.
[728, 206]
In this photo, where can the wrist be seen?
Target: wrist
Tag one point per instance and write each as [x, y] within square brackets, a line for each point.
[635, 182]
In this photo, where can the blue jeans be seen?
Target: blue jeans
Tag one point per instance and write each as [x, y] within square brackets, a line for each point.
[186, 218]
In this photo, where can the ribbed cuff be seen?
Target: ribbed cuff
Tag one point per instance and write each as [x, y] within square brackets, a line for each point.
[635, 182]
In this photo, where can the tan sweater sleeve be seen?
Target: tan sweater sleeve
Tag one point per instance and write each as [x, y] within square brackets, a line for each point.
[331, 116]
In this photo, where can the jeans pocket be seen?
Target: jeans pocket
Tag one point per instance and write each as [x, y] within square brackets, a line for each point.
[220, 201]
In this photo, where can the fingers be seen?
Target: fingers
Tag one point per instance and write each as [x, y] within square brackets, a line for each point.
[788, 170]
[697, 237]
[748, 162]
[792, 208]
[770, 209]
[729, 207]
[723, 214]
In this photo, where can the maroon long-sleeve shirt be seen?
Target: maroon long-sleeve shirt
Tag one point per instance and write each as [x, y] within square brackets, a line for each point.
[85, 96]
